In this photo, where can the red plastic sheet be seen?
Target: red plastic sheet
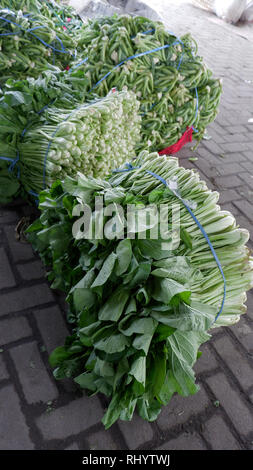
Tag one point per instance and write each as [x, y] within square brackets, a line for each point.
[186, 137]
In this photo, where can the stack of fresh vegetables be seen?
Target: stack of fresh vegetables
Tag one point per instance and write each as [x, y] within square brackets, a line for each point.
[176, 90]
[30, 43]
[62, 15]
[93, 138]
[141, 305]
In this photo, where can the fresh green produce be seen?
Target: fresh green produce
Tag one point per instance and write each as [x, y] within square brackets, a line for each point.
[140, 305]
[176, 89]
[63, 15]
[93, 138]
[30, 43]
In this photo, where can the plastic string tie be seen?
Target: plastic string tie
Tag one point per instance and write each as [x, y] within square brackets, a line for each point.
[129, 167]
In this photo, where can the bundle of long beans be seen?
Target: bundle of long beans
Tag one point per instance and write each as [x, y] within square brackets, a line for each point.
[176, 89]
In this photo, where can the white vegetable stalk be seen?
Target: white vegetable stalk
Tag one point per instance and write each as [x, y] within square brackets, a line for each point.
[93, 139]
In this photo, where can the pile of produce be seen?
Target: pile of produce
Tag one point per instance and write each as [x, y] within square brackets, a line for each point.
[93, 138]
[141, 300]
[176, 89]
[31, 43]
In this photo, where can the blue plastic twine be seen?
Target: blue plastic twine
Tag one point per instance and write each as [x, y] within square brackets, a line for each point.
[129, 167]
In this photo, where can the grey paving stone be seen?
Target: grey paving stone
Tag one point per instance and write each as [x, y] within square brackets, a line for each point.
[244, 333]
[20, 251]
[207, 168]
[226, 182]
[136, 432]
[246, 208]
[14, 432]
[12, 329]
[236, 361]
[102, 440]
[250, 304]
[184, 442]
[235, 147]
[213, 147]
[32, 270]
[72, 446]
[6, 275]
[3, 371]
[70, 419]
[34, 377]
[248, 166]
[218, 435]
[229, 169]
[24, 298]
[206, 362]
[180, 409]
[8, 215]
[228, 196]
[52, 326]
[229, 157]
[232, 402]
[231, 208]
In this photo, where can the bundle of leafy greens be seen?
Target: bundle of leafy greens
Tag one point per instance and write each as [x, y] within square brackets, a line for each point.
[176, 89]
[63, 15]
[93, 138]
[143, 292]
[30, 43]
[22, 105]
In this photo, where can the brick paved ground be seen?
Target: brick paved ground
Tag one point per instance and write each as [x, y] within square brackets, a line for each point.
[38, 413]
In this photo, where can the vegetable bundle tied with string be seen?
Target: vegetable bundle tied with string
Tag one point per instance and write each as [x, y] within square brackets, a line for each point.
[30, 44]
[176, 89]
[93, 138]
[141, 300]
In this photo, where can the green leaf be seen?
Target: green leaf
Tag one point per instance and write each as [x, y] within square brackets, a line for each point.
[148, 409]
[124, 255]
[165, 290]
[141, 275]
[112, 344]
[194, 317]
[59, 355]
[15, 98]
[86, 380]
[182, 354]
[138, 371]
[166, 392]
[162, 332]
[132, 324]
[142, 342]
[114, 306]
[186, 238]
[83, 298]
[105, 271]
[153, 249]
[113, 411]
[127, 413]
[156, 373]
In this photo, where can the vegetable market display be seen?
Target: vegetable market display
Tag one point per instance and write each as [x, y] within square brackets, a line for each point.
[32, 42]
[93, 138]
[177, 91]
[140, 309]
